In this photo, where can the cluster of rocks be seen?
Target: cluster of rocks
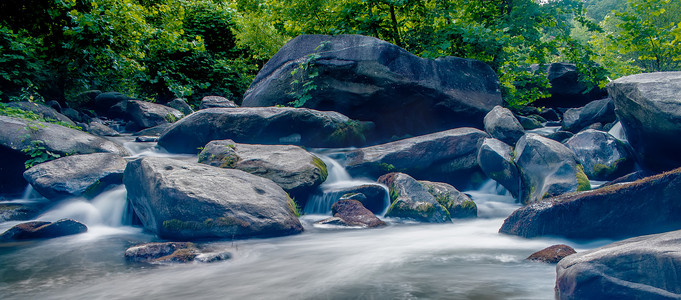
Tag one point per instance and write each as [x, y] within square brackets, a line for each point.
[424, 128]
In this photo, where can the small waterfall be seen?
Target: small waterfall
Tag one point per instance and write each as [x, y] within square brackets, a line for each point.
[617, 131]
[107, 209]
[493, 200]
[337, 183]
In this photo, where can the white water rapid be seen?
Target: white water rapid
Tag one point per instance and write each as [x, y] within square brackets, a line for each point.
[465, 259]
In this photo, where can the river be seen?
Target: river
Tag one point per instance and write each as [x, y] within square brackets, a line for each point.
[465, 259]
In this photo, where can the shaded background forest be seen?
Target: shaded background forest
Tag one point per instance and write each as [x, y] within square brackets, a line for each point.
[158, 50]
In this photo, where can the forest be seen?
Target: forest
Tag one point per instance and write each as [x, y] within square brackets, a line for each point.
[158, 50]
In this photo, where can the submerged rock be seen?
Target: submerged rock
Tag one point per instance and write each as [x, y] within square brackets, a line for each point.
[411, 200]
[649, 109]
[76, 175]
[603, 156]
[547, 169]
[445, 156]
[553, 254]
[291, 167]
[372, 80]
[42, 230]
[178, 252]
[646, 206]
[645, 267]
[458, 204]
[267, 125]
[188, 201]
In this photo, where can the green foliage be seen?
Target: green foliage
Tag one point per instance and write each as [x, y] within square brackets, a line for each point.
[38, 154]
[304, 75]
[6, 110]
[293, 206]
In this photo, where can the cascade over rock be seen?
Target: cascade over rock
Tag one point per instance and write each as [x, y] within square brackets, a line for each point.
[263, 125]
[411, 200]
[187, 201]
[645, 267]
[649, 108]
[372, 80]
[646, 206]
[76, 175]
[19, 135]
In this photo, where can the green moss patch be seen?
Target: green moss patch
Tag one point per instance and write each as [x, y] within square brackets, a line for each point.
[583, 183]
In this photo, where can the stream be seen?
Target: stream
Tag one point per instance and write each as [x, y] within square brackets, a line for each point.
[465, 259]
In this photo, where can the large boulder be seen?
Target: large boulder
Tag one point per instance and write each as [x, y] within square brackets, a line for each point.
[181, 105]
[547, 168]
[649, 109]
[645, 267]
[353, 213]
[449, 156]
[646, 206]
[291, 167]
[43, 111]
[266, 125]
[411, 200]
[501, 124]
[602, 156]
[42, 230]
[372, 80]
[187, 201]
[599, 111]
[495, 158]
[458, 204]
[20, 138]
[146, 114]
[76, 175]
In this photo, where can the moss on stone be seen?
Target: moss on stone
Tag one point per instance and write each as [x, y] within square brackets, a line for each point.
[293, 206]
[605, 171]
[583, 183]
[209, 223]
[321, 166]
[350, 132]
[385, 167]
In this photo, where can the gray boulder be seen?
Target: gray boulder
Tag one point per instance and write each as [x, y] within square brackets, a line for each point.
[646, 206]
[547, 168]
[501, 124]
[649, 109]
[42, 230]
[187, 201]
[76, 175]
[153, 131]
[529, 123]
[602, 156]
[43, 111]
[645, 267]
[19, 138]
[458, 204]
[291, 167]
[179, 252]
[266, 125]
[449, 156]
[146, 114]
[216, 102]
[104, 101]
[411, 200]
[181, 105]
[353, 213]
[100, 129]
[372, 80]
[599, 111]
[495, 158]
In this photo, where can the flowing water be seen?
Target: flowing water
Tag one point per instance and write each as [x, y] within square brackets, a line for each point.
[465, 259]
